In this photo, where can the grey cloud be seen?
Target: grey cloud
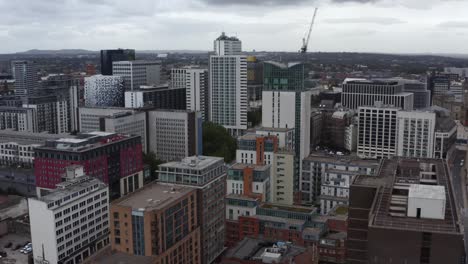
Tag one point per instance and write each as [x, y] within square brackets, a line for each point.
[365, 20]
[454, 24]
[274, 2]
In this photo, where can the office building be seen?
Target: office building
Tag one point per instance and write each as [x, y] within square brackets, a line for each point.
[416, 131]
[326, 178]
[109, 56]
[89, 117]
[254, 81]
[114, 159]
[174, 135]
[71, 223]
[126, 123]
[159, 97]
[179, 77]
[334, 125]
[18, 118]
[17, 147]
[405, 214]
[104, 91]
[461, 72]
[377, 131]
[421, 95]
[158, 221]
[228, 85]
[208, 176]
[249, 180]
[361, 92]
[456, 88]
[25, 75]
[286, 104]
[137, 73]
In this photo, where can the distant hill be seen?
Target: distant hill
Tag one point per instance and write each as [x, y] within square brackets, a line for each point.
[57, 52]
[89, 52]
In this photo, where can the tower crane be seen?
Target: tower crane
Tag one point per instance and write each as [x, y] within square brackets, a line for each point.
[305, 41]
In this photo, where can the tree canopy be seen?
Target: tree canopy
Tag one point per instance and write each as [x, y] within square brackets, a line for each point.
[218, 142]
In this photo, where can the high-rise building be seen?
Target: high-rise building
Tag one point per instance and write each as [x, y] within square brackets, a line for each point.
[208, 176]
[159, 97]
[416, 131]
[326, 179]
[25, 75]
[254, 81]
[114, 159]
[109, 56]
[174, 135]
[158, 221]
[228, 85]
[137, 73]
[286, 104]
[407, 213]
[361, 92]
[225, 45]
[377, 131]
[197, 91]
[104, 91]
[71, 223]
[195, 81]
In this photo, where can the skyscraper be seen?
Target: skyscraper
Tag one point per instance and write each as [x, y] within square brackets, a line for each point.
[195, 82]
[228, 85]
[286, 104]
[109, 56]
[104, 91]
[137, 73]
[25, 75]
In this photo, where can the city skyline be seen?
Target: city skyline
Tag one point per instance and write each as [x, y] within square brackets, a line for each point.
[387, 26]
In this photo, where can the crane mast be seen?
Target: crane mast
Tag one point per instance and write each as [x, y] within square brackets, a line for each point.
[305, 41]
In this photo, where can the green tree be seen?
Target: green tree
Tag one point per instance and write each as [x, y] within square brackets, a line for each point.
[150, 159]
[218, 142]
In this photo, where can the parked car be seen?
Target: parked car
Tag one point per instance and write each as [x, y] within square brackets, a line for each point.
[8, 245]
[27, 243]
[27, 251]
[26, 248]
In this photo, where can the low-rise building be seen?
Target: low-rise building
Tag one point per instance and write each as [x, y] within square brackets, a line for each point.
[326, 178]
[249, 180]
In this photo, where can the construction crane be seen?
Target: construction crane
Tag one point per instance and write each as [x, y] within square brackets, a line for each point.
[305, 41]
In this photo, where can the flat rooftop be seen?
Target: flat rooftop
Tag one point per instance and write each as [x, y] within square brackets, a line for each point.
[154, 196]
[194, 163]
[274, 129]
[292, 208]
[427, 192]
[252, 249]
[321, 156]
[241, 166]
[394, 179]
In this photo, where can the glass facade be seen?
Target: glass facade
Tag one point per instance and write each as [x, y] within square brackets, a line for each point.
[138, 233]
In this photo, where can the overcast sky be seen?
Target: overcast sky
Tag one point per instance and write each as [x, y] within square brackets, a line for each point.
[392, 26]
